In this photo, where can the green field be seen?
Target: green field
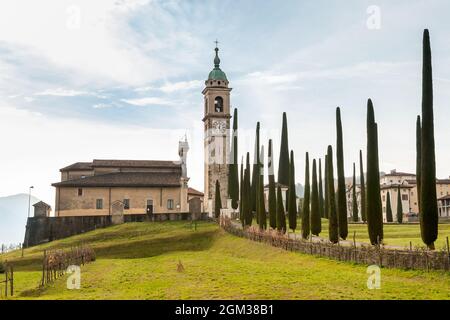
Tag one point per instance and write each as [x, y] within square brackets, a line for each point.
[394, 234]
[139, 261]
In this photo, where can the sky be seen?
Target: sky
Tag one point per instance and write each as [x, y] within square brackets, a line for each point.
[122, 79]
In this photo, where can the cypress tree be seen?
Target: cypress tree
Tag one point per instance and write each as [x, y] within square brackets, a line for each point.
[281, 216]
[341, 197]
[373, 199]
[272, 192]
[306, 202]
[321, 204]
[388, 208]
[428, 199]
[255, 173]
[233, 174]
[218, 201]
[283, 163]
[333, 231]
[292, 207]
[316, 226]
[261, 207]
[354, 199]
[363, 188]
[325, 205]
[399, 207]
[246, 194]
[418, 157]
[241, 183]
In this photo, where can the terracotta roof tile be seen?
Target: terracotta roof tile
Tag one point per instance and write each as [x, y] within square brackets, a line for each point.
[125, 179]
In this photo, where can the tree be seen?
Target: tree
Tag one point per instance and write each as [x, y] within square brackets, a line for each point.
[283, 163]
[261, 207]
[316, 226]
[399, 206]
[354, 199]
[373, 199]
[255, 173]
[321, 201]
[333, 232]
[388, 208]
[247, 208]
[418, 157]
[241, 179]
[428, 199]
[306, 202]
[233, 174]
[341, 198]
[272, 192]
[281, 216]
[218, 201]
[292, 207]
[363, 188]
[326, 200]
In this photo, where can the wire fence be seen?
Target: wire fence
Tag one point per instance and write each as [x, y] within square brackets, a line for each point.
[414, 258]
[56, 262]
[6, 280]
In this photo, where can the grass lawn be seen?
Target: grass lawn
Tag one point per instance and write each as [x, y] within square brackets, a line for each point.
[139, 261]
[394, 234]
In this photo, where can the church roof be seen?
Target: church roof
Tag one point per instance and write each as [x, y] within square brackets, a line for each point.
[126, 179]
[217, 73]
[81, 166]
[136, 163]
[41, 204]
[195, 192]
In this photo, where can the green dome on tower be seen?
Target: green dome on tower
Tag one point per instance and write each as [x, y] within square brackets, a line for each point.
[217, 73]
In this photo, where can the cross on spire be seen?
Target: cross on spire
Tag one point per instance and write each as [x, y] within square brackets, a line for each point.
[216, 42]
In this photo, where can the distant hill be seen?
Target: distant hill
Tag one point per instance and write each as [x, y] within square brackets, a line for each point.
[13, 217]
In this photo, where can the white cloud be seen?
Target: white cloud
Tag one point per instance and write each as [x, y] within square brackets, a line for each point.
[101, 48]
[60, 92]
[149, 101]
[182, 85]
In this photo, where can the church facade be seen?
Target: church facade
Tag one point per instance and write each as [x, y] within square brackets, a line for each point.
[139, 187]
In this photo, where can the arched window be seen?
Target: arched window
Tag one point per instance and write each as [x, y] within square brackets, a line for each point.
[218, 104]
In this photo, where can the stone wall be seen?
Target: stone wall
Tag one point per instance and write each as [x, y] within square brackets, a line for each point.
[45, 229]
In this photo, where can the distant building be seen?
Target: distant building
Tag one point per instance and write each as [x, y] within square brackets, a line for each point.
[409, 196]
[41, 209]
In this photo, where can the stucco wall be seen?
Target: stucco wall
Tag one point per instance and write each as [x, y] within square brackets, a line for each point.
[68, 203]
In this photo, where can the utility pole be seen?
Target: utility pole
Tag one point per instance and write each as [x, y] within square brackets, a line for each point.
[26, 226]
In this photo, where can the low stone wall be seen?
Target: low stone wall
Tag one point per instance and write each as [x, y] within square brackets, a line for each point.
[418, 258]
[45, 229]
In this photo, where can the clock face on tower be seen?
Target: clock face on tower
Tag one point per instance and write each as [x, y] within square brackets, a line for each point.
[219, 126]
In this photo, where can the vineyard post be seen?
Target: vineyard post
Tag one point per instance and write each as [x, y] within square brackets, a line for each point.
[11, 277]
[448, 253]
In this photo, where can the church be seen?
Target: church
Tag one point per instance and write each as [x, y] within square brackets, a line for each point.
[156, 189]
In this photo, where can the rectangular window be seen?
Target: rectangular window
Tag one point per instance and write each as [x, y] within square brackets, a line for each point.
[170, 204]
[384, 198]
[99, 204]
[126, 204]
[80, 192]
[404, 197]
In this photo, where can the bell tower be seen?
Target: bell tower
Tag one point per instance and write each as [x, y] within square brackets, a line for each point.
[217, 134]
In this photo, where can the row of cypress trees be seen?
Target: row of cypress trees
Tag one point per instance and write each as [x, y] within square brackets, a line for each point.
[323, 200]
